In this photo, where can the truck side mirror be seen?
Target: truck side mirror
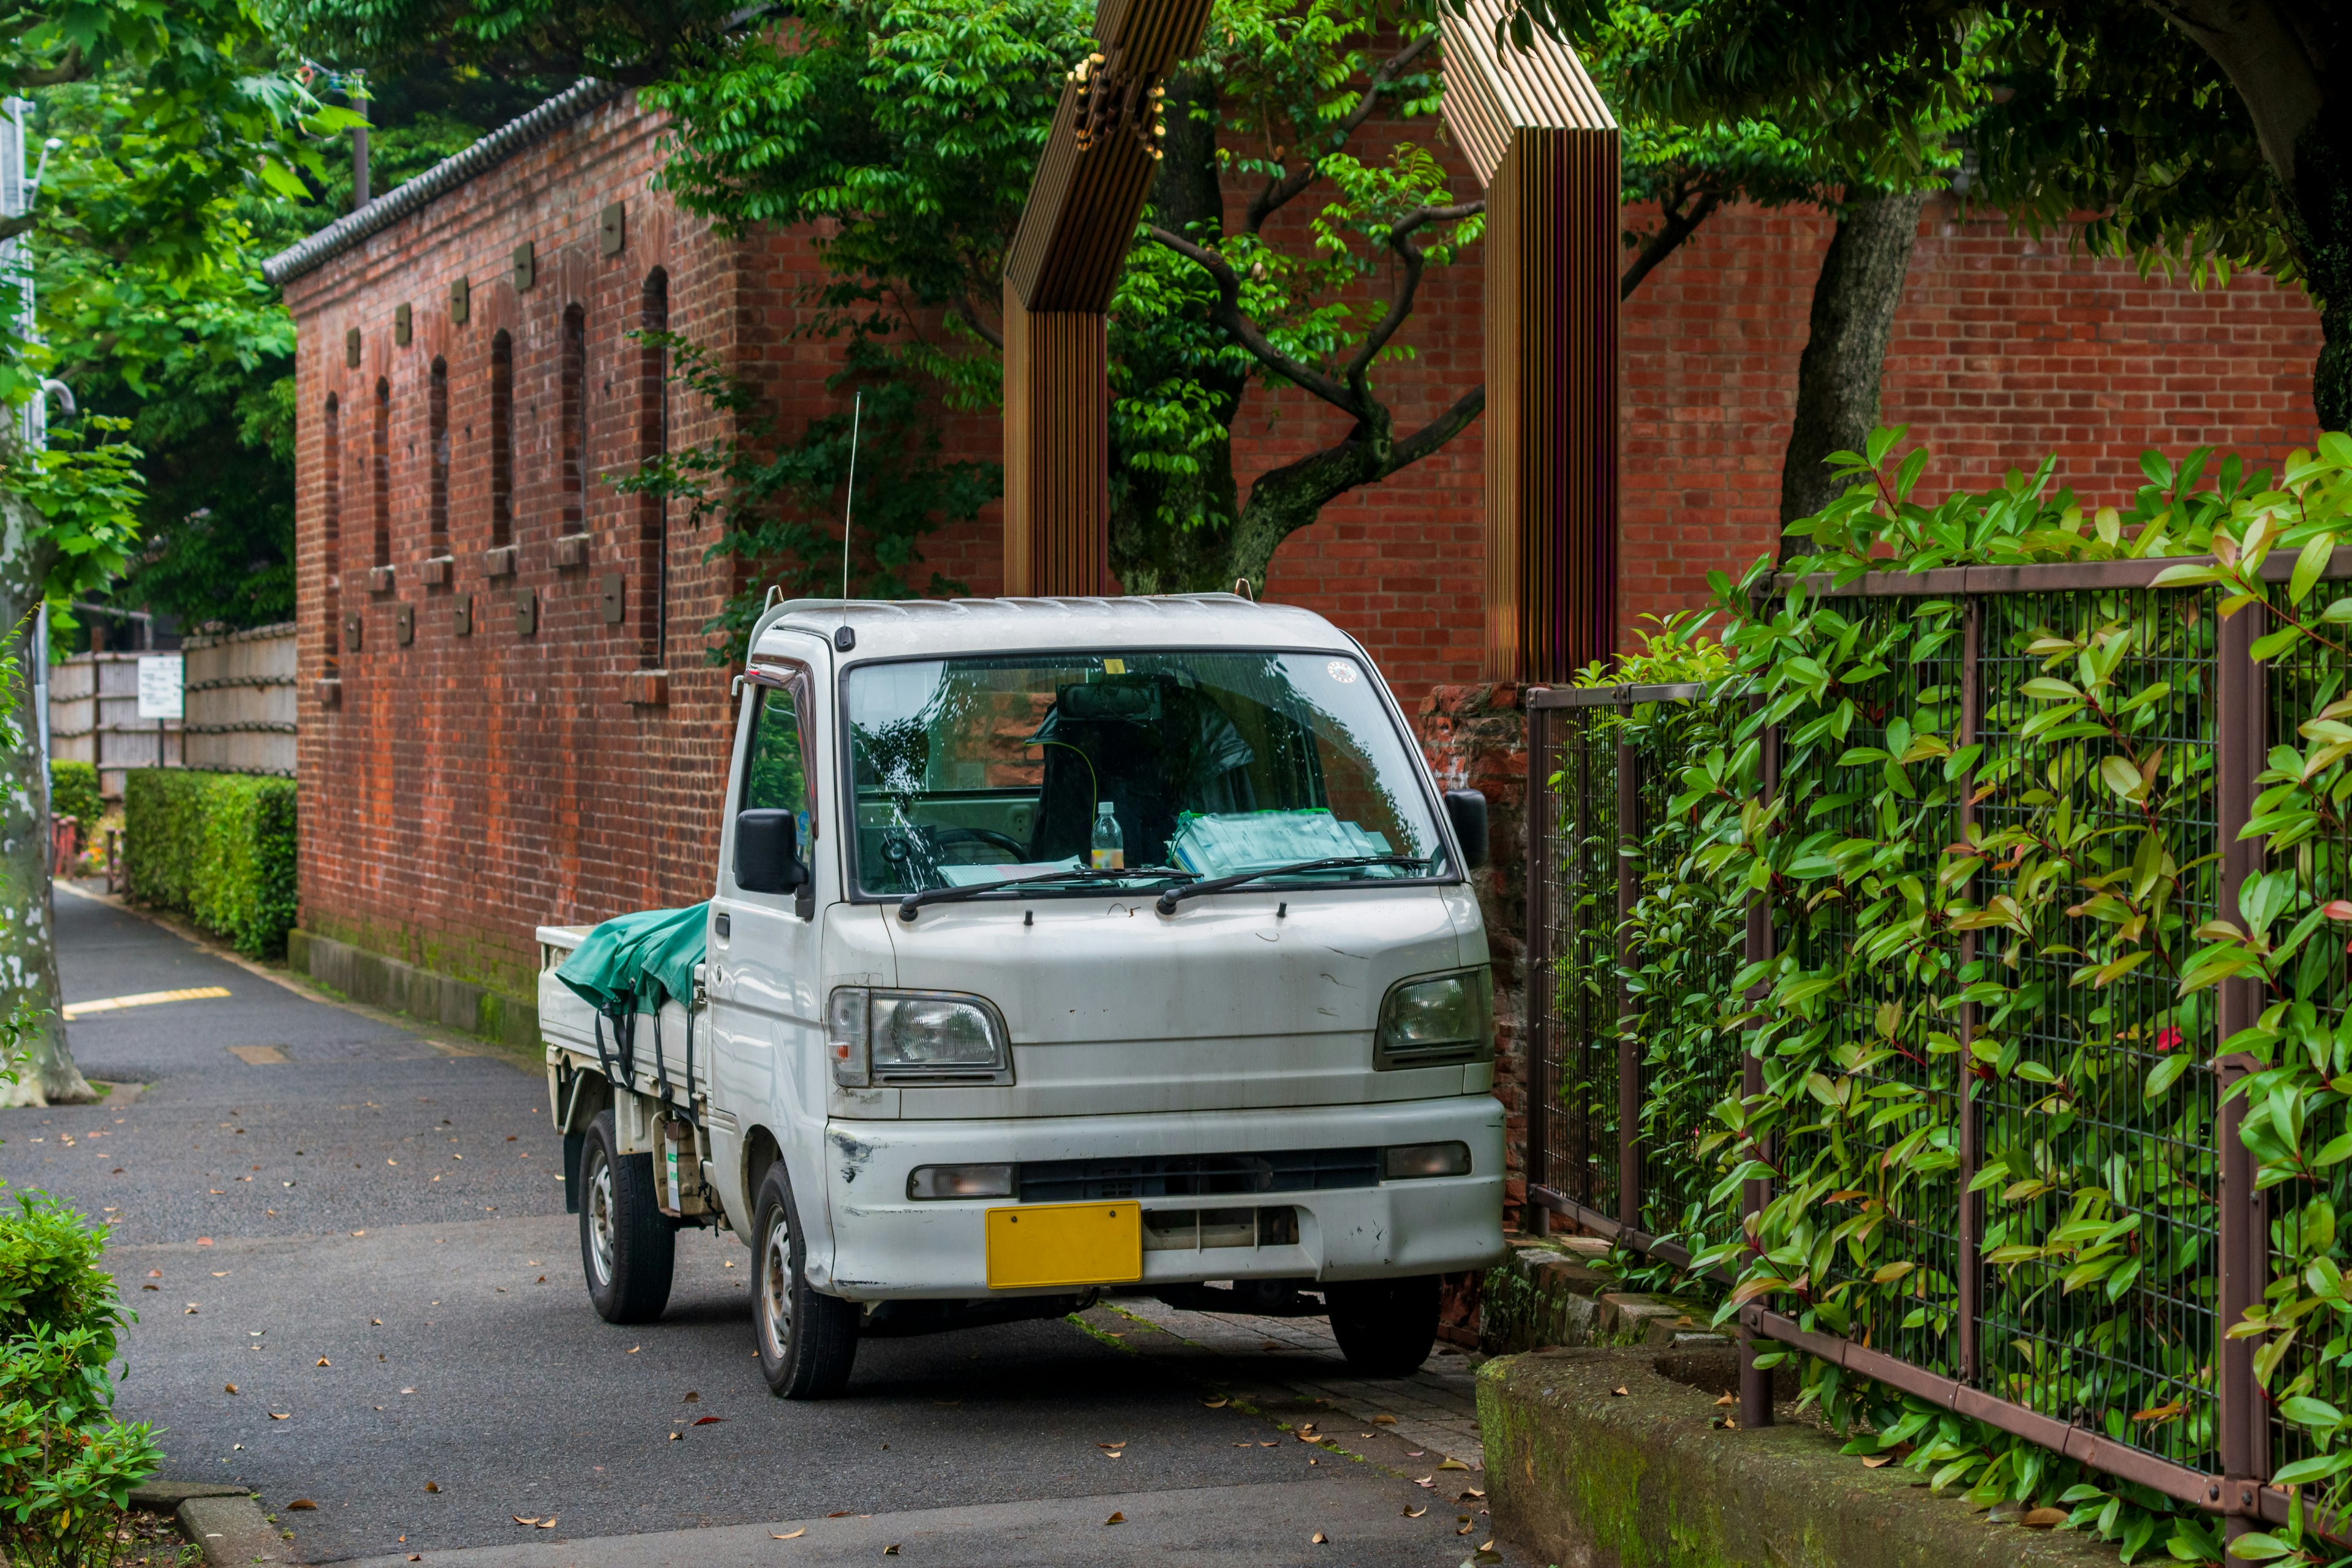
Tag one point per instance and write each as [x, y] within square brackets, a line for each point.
[1467, 810]
[768, 852]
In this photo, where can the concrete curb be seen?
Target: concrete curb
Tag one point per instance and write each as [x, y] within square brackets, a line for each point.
[226, 1522]
[1595, 1457]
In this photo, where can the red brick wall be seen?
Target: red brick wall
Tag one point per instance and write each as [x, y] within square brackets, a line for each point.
[2005, 349]
[464, 789]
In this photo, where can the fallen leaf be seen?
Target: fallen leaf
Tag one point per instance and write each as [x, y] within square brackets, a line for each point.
[301, 1503]
[408, 1391]
[1384, 1420]
[691, 1398]
[843, 1513]
[220, 1273]
[151, 1287]
[635, 1349]
[2045, 1518]
[1416, 1512]
[1471, 1494]
[286, 1415]
[203, 1241]
[1617, 1394]
[358, 1233]
[1728, 1399]
[324, 1361]
[1426, 1481]
[1115, 1519]
[1218, 1403]
[433, 1485]
[377, 1322]
[228, 1388]
[519, 1519]
[1321, 1540]
[708, 1420]
[1877, 1461]
[1269, 1445]
[154, 1274]
[191, 1311]
[547, 1523]
[1451, 1464]
[891, 1550]
[1464, 1528]
[795, 1535]
[676, 1436]
[1120, 1444]
[1488, 1544]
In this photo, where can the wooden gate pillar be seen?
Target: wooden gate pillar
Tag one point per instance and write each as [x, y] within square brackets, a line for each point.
[1537, 133]
[1092, 182]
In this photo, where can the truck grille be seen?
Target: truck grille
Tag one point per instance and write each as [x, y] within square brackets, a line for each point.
[1197, 1176]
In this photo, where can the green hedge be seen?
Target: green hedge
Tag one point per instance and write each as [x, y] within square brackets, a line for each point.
[218, 846]
[73, 791]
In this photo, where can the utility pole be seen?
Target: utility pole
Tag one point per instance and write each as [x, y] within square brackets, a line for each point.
[359, 96]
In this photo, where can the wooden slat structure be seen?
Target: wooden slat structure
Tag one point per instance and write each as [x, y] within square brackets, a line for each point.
[1092, 182]
[1537, 133]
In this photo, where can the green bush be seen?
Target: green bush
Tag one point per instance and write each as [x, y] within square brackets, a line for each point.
[67, 1465]
[73, 791]
[219, 847]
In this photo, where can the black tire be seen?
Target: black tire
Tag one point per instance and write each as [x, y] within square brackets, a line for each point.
[628, 1247]
[1385, 1327]
[807, 1340]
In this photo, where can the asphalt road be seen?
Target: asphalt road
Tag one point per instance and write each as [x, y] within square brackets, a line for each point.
[367, 1239]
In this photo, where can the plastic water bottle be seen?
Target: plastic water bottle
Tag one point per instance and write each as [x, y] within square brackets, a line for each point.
[1110, 844]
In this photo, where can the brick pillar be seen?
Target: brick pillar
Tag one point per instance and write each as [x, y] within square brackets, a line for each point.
[1476, 738]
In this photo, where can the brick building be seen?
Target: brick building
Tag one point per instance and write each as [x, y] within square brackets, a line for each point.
[507, 717]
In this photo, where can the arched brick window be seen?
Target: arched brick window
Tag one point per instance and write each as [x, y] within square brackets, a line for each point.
[501, 441]
[380, 471]
[653, 445]
[574, 429]
[437, 412]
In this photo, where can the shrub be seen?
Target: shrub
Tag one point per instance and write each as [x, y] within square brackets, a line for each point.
[219, 847]
[73, 791]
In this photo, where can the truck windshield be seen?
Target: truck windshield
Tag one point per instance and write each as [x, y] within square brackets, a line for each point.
[981, 770]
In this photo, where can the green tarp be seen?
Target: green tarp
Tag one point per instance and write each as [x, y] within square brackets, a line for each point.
[639, 960]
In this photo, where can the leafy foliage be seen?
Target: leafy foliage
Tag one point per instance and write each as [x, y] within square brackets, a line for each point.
[73, 791]
[219, 846]
[773, 504]
[2028, 915]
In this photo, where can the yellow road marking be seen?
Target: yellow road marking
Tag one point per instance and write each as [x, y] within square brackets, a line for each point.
[144, 999]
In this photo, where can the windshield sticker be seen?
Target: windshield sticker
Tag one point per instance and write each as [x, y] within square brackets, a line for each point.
[1342, 671]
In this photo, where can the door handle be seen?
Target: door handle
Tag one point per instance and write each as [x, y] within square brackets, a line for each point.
[726, 926]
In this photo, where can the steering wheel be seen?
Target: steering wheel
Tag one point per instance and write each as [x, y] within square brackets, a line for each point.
[1015, 850]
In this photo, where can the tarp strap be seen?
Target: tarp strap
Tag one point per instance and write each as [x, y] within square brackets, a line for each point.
[661, 1073]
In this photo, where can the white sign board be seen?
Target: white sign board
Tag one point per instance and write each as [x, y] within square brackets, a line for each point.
[159, 680]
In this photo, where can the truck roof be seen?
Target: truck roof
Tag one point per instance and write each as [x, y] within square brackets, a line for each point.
[888, 628]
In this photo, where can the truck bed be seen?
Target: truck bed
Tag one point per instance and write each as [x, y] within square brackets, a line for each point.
[567, 1024]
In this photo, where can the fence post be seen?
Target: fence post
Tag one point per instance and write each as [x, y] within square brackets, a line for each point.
[1629, 1056]
[1754, 1382]
[2238, 735]
[1536, 963]
[1971, 1117]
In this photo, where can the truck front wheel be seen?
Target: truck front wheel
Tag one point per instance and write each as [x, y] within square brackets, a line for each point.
[628, 1247]
[808, 1341]
[1384, 1327]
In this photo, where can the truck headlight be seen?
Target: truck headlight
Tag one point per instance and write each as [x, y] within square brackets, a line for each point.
[915, 1037]
[1436, 1019]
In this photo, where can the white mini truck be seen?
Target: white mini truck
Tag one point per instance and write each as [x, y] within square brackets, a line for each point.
[1056, 946]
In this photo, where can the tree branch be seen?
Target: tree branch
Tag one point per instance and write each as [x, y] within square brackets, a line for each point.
[71, 68]
[1408, 283]
[1440, 430]
[1675, 225]
[970, 315]
[1245, 331]
[1279, 194]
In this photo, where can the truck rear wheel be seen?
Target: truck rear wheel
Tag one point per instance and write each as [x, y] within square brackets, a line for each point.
[808, 1341]
[1385, 1327]
[628, 1247]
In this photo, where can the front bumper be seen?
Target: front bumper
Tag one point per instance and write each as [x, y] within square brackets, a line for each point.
[888, 1246]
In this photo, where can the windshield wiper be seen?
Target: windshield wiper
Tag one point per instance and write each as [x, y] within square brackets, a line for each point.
[1171, 897]
[913, 902]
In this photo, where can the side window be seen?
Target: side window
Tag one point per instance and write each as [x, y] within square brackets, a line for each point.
[775, 776]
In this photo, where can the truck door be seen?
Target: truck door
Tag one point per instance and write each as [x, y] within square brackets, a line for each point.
[765, 1008]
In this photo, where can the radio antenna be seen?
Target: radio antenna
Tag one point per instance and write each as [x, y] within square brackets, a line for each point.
[849, 501]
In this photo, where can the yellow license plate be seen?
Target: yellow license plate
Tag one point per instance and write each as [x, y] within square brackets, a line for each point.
[1064, 1244]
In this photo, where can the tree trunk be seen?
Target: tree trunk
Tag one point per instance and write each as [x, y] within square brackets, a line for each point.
[28, 950]
[1149, 553]
[2320, 222]
[1854, 299]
